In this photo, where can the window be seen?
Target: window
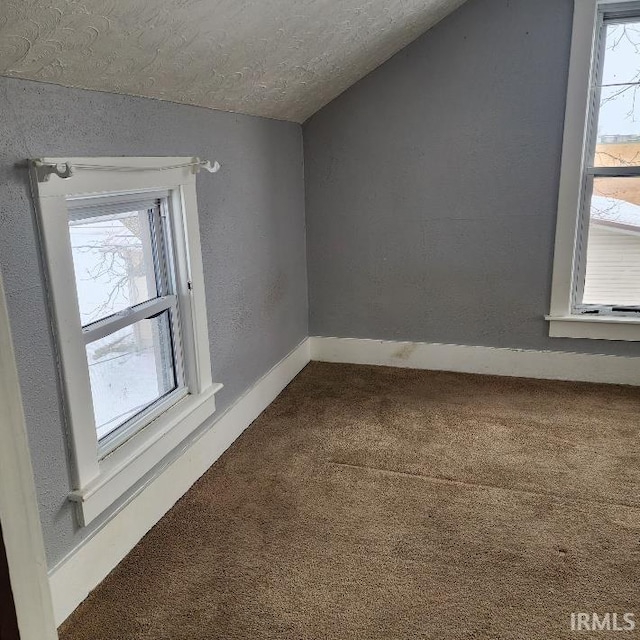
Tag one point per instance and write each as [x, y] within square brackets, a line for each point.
[122, 249]
[596, 283]
[128, 310]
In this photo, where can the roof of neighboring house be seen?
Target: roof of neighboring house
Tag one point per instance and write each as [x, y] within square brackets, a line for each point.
[618, 214]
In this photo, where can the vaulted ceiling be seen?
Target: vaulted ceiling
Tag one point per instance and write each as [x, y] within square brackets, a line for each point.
[277, 58]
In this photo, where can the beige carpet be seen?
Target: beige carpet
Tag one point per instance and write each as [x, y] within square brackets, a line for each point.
[377, 503]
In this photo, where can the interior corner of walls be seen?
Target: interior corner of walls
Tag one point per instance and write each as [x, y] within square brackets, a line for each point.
[76, 575]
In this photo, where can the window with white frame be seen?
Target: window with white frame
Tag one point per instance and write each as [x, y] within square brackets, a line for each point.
[596, 282]
[125, 281]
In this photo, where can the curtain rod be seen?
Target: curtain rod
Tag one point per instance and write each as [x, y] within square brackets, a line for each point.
[65, 170]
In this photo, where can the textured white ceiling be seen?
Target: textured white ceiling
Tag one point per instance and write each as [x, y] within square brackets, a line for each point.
[277, 58]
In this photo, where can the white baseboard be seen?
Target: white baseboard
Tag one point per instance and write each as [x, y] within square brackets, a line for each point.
[522, 363]
[75, 576]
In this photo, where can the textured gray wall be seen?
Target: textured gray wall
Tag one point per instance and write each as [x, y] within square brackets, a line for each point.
[253, 245]
[432, 186]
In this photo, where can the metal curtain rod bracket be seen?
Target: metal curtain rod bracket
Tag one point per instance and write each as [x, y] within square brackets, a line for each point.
[65, 170]
[198, 164]
[44, 170]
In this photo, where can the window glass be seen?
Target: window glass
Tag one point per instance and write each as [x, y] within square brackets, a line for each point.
[618, 131]
[612, 269]
[113, 262]
[130, 370]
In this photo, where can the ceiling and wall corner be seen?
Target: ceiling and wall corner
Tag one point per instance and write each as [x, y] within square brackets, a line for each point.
[282, 59]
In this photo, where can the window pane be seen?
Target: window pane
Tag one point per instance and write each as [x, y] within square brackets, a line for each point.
[129, 370]
[622, 54]
[618, 135]
[619, 112]
[612, 270]
[113, 262]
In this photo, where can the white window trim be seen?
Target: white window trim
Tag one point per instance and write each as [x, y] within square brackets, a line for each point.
[100, 482]
[563, 322]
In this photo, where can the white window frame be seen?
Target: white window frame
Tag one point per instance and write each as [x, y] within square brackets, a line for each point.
[572, 219]
[101, 479]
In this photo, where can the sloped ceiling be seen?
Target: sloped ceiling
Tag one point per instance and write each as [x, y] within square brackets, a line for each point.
[277, 58]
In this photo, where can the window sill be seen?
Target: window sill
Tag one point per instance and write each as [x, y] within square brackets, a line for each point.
[594, 328]
[129, 463]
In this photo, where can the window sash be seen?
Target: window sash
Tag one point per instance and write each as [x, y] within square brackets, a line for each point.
[87, 205]
[139, 421]
[107, 326]
[619, 12]
[143, 311]
[613, 172]
[95, 207]
[608, 13]
[162, 265]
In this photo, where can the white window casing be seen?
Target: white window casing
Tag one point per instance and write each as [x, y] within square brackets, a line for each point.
[101, 476]
[564, 318]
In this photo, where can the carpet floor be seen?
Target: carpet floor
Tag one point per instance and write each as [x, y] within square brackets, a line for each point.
[383, 504]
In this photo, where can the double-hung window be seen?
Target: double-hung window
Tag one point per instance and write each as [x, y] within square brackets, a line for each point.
[125, 284]
[596, 280]
[125, 281]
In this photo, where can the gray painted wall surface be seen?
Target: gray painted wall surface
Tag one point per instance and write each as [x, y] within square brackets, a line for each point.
[253, 245]
[432, 186]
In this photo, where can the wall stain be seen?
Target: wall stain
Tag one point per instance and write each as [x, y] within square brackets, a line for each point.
[405, 352]
[275, 294]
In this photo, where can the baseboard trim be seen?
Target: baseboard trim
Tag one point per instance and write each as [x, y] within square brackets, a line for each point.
[73, 578]
[522, 363]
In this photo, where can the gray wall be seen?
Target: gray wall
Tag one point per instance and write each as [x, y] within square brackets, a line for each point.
[432, 185]
[253, 245]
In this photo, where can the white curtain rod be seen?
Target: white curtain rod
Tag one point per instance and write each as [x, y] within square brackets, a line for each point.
[65, 170]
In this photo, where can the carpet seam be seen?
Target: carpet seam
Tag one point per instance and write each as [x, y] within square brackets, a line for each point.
[483, 485]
